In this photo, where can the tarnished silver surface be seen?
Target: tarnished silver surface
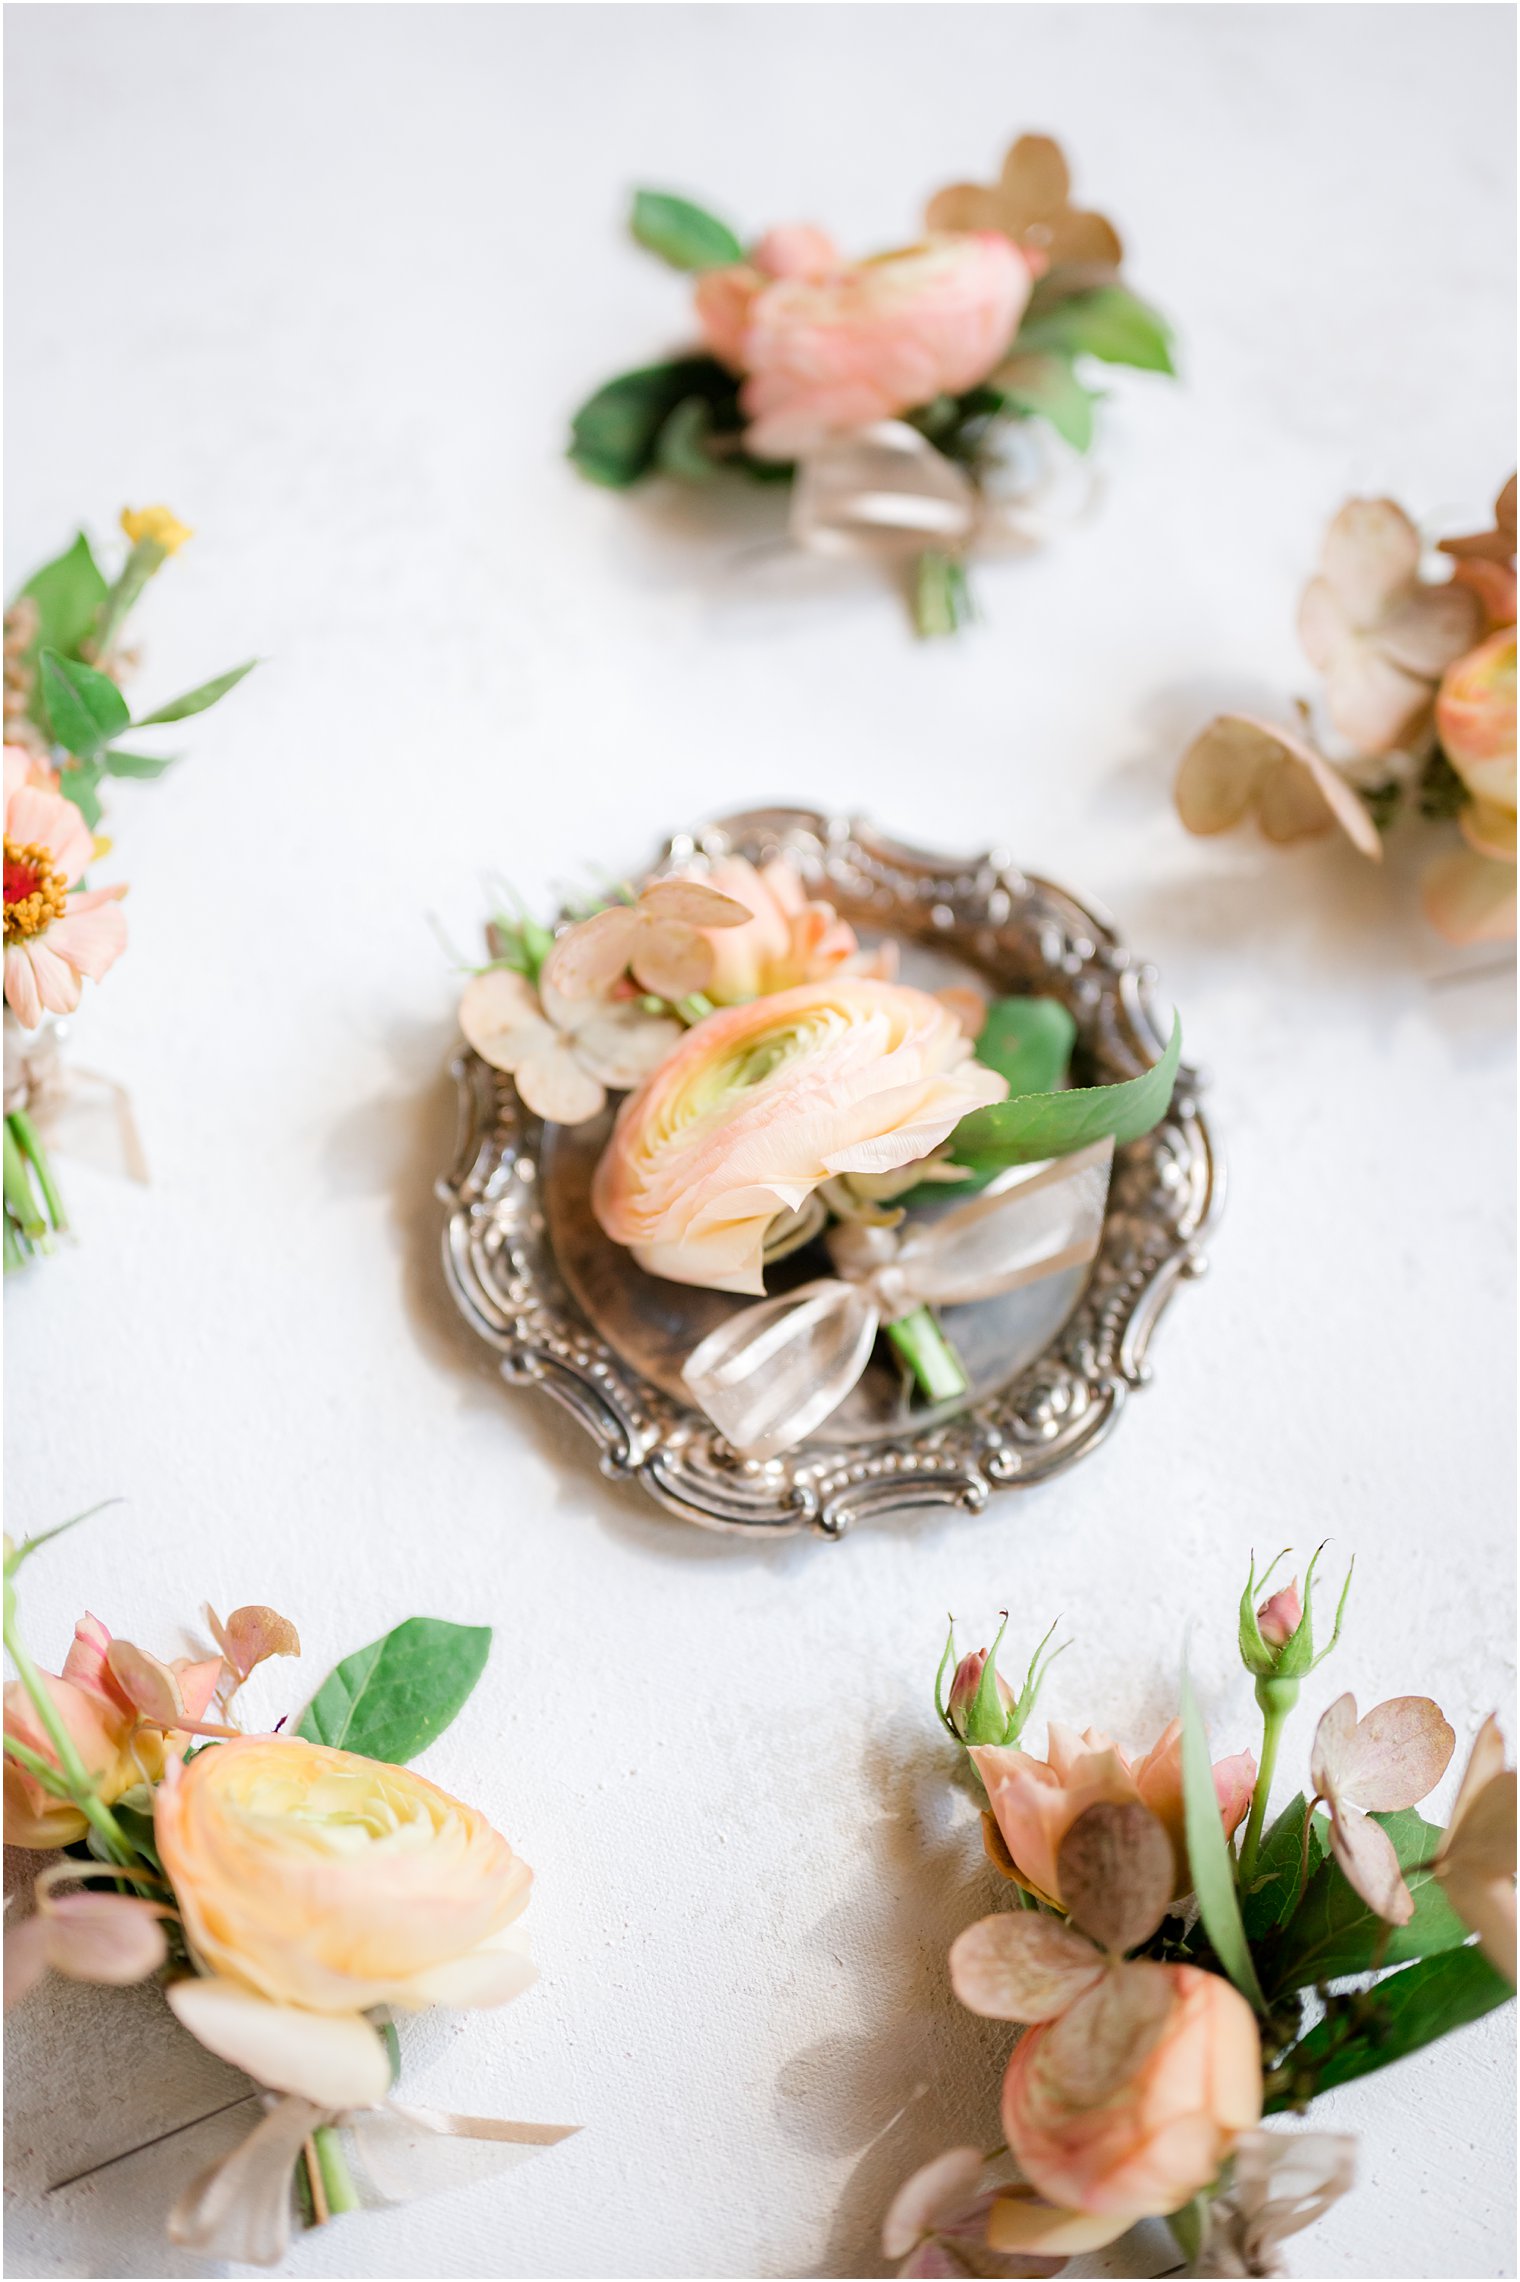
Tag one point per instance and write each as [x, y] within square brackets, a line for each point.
[566, 1311]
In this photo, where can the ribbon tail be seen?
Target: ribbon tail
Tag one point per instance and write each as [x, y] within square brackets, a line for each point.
[404, 2152]
[1049, 1220]
[88, 1117]
[773, 1373]
[240, 2208]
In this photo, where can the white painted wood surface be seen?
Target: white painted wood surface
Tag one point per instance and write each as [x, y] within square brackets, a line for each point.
[329, 280]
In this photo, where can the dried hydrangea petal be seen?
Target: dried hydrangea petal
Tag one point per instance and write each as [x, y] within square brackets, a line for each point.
[1104, 2040]
[622, 1045]
[555, 1086]
[590, 956]
[1023, 1966]
[1431, 630]
[1031, 203]
[1221, 770]
[1370, 556]
[938, 2188]
[694, 903]
[501, 1018]
[1368, 1863]
[671, 959]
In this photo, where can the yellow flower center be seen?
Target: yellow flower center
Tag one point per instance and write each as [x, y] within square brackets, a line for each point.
[36, 892]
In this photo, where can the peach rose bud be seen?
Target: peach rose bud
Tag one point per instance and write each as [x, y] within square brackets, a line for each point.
[1129, 2102]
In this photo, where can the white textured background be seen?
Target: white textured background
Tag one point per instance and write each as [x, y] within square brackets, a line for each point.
[329, 280]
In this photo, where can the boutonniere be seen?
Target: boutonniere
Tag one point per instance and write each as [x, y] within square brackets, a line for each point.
[916, 402]
[65, 722]
[782, 1089]
[1415, 717]
[1181, 1958]
[298, 1892]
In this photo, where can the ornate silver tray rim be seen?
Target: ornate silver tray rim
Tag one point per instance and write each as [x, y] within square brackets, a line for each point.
[1020, 932]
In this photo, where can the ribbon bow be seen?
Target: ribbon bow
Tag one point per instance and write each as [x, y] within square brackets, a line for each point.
[770, 1375]
[80, 1113]
[885, 491]
[240, 2208]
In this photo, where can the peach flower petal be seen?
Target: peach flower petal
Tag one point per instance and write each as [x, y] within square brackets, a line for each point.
[877, 338]
[334, 2059]
[761, 1103]
[1467, 897]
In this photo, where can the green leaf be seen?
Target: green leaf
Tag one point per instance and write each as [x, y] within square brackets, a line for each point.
[119, 764]
[1047, 388]
[1110, 322]
[1028, 1041]
[1037, 1125]
[68, 593]
[1278, 1865]
[615, 436]
[1333, 1933]
[85, 708]
[80, 784]
[197, 700]
[681, 233]
[1209, 1858]
[681, 446]
[389, 1700]
[1368, 2030]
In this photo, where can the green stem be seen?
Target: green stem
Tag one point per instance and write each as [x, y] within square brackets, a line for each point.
[16, 1254]
[136, 571]
[34, 1763]
[337, 2179]
[32, 1148]
[1272, 1724]
[1187, 2226]
[928, 1354]
[20, 1196]
[941, 595]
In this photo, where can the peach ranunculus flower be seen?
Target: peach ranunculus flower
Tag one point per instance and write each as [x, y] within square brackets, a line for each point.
[760, 1104]
[827, 349]
[1140, 2136]
[790, 939]
[1035, 1801]
[314, 1885]
[53, 933]
[117, 1746]
[1470, 894]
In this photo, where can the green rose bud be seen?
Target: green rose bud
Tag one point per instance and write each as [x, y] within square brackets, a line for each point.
[982, 1707]
[1277, 1638]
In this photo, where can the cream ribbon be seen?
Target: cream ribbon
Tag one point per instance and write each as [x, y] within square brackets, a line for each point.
[240, 2208]
[885, 491]
[773, 1373]
[79, 1113]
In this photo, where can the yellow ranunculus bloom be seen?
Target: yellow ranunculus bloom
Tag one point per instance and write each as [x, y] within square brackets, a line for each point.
[314, 1885]
[158, 524]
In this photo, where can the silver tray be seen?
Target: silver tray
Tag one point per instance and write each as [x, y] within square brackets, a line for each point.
[568, 1311]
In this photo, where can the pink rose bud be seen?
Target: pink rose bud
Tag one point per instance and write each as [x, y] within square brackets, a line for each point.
[796, 249]
[963, 1692]
[1280, 1617]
